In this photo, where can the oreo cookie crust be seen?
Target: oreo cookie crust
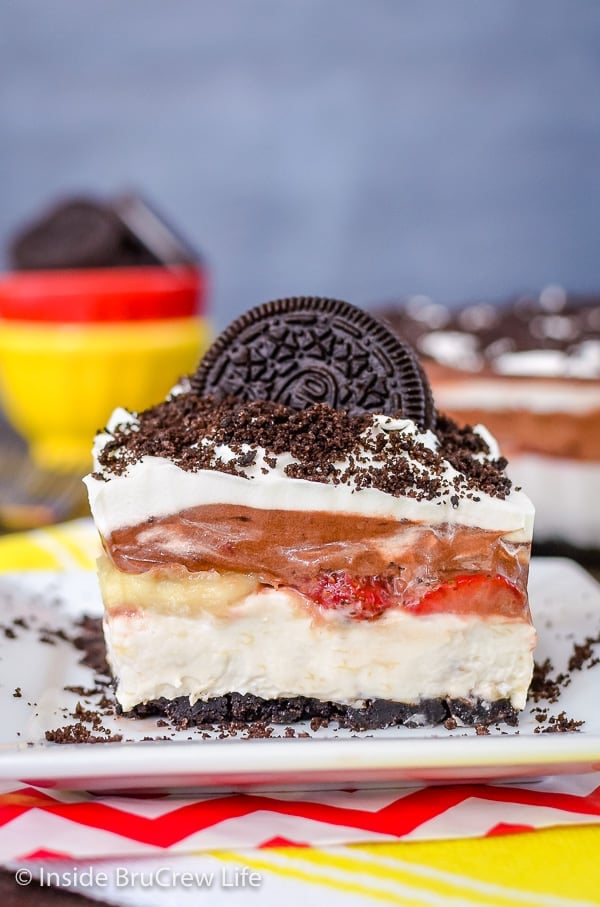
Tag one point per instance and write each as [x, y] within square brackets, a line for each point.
[377, 713]
[305, 350]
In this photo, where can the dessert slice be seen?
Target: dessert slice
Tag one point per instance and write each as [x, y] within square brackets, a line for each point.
[295, 533]
[529, 369]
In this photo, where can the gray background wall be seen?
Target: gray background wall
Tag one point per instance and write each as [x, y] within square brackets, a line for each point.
[358, 148]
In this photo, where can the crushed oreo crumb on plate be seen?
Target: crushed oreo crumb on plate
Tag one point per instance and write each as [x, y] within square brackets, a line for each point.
[80, 733]
[560, 724]
[583, 654]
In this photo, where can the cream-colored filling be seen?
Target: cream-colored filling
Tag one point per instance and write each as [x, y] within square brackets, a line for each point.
[268, 646]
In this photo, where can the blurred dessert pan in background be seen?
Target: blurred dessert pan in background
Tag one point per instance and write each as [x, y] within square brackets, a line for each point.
[529, 369]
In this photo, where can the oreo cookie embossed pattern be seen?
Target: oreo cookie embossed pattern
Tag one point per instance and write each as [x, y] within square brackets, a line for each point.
[305, 350]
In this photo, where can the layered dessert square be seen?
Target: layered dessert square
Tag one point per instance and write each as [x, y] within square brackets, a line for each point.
[529, 369]
[271, 556]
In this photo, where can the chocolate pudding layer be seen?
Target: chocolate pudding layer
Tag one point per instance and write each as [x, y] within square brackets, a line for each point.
[290, 547]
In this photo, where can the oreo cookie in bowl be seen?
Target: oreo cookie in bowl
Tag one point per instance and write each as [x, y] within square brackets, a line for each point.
[296, 533]
[103, 305]
[529, 368]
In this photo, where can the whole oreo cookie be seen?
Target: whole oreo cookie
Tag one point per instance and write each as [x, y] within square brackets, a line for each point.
[306, 350]
[79, 233]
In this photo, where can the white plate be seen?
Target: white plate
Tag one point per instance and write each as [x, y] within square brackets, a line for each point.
[565, 602]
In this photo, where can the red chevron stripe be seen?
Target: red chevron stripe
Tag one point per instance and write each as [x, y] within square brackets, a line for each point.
[504, 828]
[396, 819]
[282, 842]
[46, 855]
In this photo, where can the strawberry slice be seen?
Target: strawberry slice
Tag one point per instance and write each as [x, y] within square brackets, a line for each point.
[474, 593]
[359, 597]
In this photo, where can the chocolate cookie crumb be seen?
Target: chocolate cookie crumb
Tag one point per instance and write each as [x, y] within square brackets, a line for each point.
[561, 724]
[327, 445]
[90, 641]
[543, 686]
[583, 654]
[81, 691]
[79, 733]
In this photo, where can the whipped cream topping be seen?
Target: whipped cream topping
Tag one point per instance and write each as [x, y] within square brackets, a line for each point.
[452, 348]
[459, 350]
[529, 395]
[583, 361]
[155, 486]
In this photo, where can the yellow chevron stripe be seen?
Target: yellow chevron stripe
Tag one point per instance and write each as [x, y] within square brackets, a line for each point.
[74, 543]
[485, 892]
[22, 551]
[444, 885]
[352, 878]
[562, 860]
[394, 880]
[67, 546]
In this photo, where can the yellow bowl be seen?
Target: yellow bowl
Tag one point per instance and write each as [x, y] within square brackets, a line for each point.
[60, 382]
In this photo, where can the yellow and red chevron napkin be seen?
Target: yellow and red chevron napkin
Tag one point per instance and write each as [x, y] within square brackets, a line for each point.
[536, 843]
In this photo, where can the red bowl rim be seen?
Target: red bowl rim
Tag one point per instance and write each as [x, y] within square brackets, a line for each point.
[106, 294]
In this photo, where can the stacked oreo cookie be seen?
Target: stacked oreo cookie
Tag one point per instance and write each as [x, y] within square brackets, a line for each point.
[88, 233]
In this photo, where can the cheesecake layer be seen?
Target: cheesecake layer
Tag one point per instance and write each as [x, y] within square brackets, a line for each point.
[269, 646]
